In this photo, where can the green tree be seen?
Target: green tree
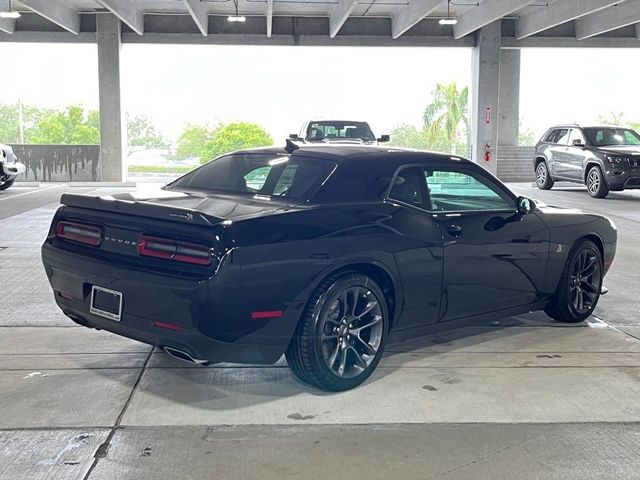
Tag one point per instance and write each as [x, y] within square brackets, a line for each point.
[234, 136]
[525, 136]
[613, 118]
[9, 122]
[192, 140]
[446, 117]
[73, 126]
[9, 128]
[408, 136]
[141, 132]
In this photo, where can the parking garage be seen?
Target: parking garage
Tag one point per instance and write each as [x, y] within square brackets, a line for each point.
[510, 397]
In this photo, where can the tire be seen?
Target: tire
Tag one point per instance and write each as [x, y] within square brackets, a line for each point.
[595, 182]
[565, 305]
[7, 184]
[351, 307]
[543, 179]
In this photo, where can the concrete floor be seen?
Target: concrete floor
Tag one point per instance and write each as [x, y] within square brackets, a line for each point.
[519, 397]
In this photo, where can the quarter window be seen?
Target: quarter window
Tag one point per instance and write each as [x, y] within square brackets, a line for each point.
[452, 191]
[410, 187]
[551, 137]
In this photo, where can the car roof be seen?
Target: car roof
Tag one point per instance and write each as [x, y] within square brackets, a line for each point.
[575, 125]
[337, 121]
[346, 153]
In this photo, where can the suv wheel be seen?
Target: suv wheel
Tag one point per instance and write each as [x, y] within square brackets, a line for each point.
[596, 185]
[543, 179]
[341, 334]
[6, 184]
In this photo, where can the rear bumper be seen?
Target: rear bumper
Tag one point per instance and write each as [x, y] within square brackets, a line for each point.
[188, 340]
[190, 307]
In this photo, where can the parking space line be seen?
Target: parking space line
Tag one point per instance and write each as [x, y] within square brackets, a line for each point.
[32, 191]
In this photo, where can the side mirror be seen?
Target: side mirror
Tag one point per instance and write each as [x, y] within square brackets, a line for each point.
[578, 143]
[525, 205]
[384, 138]
[294, 136]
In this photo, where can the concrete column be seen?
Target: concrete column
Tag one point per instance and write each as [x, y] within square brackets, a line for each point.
[112, 133]
[485, 70]
[509, 97]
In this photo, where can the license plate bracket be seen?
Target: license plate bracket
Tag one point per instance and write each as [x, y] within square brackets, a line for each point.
[106, 303]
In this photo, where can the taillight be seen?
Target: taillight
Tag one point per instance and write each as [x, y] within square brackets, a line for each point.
[174, 250]
[87, 234]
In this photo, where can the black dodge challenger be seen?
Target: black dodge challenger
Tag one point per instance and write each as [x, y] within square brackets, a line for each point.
[321, 252]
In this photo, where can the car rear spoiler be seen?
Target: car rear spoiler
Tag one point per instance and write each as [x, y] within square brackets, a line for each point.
[141, 209]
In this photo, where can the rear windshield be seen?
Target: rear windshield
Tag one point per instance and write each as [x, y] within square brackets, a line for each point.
[339, 130]
[601, 137]
[259, 174]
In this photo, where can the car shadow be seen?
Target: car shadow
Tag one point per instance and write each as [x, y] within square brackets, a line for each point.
[229, 387]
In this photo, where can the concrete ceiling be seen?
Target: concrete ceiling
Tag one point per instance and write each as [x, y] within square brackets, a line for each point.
[525, 22]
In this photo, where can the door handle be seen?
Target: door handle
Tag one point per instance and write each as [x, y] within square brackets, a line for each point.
[454, 230]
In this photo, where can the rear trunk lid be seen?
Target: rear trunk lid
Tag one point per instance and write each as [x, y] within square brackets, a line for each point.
[128, 223]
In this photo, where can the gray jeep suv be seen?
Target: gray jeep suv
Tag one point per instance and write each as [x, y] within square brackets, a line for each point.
[604, 158]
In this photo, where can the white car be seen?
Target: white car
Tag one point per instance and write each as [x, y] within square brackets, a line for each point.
[10, 168]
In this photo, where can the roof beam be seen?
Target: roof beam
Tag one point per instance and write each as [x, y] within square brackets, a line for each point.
[55, 12]
[7, 25]
[415, 11]
[612, 18]
[338, 14]
[556, 14]
[487, 12]
[269, 17]
[127, 12]
[199, 13]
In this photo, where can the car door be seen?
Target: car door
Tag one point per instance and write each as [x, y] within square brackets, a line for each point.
[494, 258]
[559, 153]
[576, 154]
[417, 248]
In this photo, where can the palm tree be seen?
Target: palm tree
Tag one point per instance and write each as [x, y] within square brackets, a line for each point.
[446, 114]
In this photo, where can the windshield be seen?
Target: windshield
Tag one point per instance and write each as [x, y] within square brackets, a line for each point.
[600, 137]
[340, 130]
[259, 174]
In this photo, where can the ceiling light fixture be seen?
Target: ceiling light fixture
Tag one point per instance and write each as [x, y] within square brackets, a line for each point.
[449, 20]
[237, 17]
[9, 13]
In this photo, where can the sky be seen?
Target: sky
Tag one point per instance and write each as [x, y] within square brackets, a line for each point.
[280, 87]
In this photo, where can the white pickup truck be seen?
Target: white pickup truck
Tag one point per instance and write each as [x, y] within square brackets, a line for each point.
[337, 131]
[10, 168]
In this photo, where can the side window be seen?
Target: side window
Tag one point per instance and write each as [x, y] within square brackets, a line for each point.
[576, 135]
[410, 187]
[453, 191]
[563, 136]
[286, 179]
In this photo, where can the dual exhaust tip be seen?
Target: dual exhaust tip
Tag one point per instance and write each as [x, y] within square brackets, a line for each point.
[181, 355]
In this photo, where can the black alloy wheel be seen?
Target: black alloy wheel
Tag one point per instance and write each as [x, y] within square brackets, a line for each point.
[341, 334]
[579, 289]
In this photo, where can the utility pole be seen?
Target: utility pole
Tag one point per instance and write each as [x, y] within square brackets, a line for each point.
[20, 122]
